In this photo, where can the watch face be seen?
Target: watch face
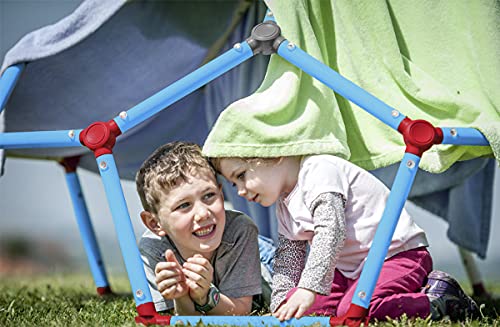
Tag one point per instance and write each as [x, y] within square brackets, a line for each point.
[216, 297]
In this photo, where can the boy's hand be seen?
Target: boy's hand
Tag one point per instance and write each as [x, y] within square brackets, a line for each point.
[199, 275]
[170, 278]
[296, 305]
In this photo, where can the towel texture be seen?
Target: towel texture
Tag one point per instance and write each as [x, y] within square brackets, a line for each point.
[430, 60]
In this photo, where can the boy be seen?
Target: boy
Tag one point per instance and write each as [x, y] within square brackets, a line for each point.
[199, 258]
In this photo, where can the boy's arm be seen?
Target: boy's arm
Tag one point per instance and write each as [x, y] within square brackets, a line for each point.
[329, 236]
[151, 255]
[172, 285]
[232, 306]
[154, 258]
[237, 266]
[199, 273]
[226, 306]
[184, 306]
[289, 262]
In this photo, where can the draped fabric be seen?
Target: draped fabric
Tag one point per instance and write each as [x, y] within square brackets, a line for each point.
[430, 60]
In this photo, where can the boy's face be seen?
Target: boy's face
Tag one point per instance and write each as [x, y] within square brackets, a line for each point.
[193, 216]
[262, 182]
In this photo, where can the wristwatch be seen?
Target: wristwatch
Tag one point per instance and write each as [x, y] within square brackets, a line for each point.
[213, 300]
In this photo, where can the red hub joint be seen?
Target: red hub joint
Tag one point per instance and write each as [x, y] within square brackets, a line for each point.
[419, 135]
[148, 315]
[100, 137]
[354, 317]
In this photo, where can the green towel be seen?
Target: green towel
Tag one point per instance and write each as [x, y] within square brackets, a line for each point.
[432, 60]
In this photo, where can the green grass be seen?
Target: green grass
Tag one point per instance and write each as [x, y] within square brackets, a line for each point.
[71, 300]
[64, 300]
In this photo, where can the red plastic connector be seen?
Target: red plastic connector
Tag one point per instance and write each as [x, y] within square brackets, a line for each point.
[148, 315]
[354, 317]
[106, 290]
[479, 290]
[419, 135]
[100, 137]
[70, 163]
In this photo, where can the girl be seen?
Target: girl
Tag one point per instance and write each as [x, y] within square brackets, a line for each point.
[334, 207]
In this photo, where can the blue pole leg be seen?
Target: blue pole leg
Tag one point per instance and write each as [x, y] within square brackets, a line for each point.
[184, 86]
[124, 229]
[383, 236]
[87, 234]
[463, 136]
[340, 84]
[8, 81]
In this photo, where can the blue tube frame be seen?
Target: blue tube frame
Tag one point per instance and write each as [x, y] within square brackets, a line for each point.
[269, 16]
[47, 139]
[184, 86]
[463, 136]
[9, 79]
[340, 84]
[86, 230]
[253, 321]
[376, 256]
[124, 229]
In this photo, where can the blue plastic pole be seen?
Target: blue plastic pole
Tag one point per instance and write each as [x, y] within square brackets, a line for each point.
[340, 84]
[124, 229]
[385, 230]
[463, 136]
[269, 16]
[8, 81]
[86, 230]
[47, 139]
[254, 321]
[184, 86]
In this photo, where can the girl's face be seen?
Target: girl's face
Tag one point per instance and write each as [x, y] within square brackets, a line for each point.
[258, 181]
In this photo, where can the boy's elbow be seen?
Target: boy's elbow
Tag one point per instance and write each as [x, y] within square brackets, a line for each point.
[244, 307]
[238, 307]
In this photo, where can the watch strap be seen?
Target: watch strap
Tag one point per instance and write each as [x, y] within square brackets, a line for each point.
[213, 299]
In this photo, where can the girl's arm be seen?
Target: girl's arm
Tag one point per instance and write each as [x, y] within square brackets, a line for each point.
[317, 277]
[289, 261]
[329, 236]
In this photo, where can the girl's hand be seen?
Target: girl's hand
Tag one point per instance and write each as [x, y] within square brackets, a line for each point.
[170, 279]
[199, 275]
[296, 305]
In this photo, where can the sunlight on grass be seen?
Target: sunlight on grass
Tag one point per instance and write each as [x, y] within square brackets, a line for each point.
[64, 300]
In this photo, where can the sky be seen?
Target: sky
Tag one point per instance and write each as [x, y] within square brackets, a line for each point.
[34, 200]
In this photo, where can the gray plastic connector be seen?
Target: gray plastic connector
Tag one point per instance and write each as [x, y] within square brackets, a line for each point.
[265, 38]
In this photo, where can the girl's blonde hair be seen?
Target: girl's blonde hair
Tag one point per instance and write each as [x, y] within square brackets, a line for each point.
[215, 162]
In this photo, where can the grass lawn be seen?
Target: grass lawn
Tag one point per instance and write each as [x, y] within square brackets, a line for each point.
[71, 300]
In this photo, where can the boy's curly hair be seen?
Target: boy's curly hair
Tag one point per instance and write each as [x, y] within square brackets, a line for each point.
[160, 172]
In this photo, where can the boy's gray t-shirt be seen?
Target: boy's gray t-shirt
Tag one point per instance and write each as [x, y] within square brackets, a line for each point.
[236, 261]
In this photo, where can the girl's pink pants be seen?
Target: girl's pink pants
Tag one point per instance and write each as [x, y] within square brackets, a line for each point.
[397, 290]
